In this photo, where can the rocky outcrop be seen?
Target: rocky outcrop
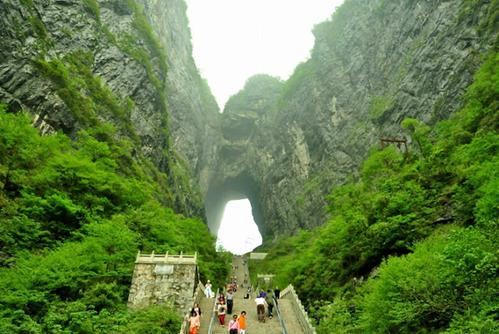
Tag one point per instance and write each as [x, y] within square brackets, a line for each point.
[80, 64]
[374, 64]
[77, 64]
[194, 112]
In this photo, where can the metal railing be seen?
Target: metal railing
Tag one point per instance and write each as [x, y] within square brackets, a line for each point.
[213, 314]
[290, 294]
[281, 321]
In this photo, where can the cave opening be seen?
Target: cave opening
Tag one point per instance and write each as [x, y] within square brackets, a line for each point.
[235, 199]
[238, 232]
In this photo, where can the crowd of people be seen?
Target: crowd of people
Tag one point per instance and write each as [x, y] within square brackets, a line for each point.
[225, 304]
[265, 303]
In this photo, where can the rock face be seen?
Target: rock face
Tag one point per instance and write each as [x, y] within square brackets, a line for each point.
[194, 111]
[54, 51]
[79, 64]
[373, 65]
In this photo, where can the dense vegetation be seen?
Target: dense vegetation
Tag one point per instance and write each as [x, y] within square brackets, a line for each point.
[74, 214]
[76, 205]
[411, 245]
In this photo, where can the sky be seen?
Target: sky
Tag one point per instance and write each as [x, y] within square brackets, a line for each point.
[235, 39]
[238, 232]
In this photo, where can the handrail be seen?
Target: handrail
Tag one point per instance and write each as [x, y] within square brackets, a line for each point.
[281, 321]
[210, 328]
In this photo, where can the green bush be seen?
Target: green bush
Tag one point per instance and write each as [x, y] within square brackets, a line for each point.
[387, 260]
[446, 275]
[73, 215]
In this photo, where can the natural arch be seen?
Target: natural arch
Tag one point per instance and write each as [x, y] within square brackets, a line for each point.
[221, 191]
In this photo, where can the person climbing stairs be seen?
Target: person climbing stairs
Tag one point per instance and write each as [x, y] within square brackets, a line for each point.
[270, 326]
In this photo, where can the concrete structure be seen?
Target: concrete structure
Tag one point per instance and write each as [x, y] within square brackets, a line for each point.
[257, 256]
[163, 278]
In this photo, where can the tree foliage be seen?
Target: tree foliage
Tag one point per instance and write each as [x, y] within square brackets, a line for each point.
[73, 215]
[410, 245]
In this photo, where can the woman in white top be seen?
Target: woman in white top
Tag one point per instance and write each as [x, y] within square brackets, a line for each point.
[207, 290]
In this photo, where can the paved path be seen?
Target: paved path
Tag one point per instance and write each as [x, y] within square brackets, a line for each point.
[289, 317]
[271, 326]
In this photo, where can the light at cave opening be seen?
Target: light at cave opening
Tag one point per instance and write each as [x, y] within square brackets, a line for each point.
[238, 232]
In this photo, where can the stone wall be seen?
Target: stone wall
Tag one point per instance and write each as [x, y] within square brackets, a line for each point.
[160, 279]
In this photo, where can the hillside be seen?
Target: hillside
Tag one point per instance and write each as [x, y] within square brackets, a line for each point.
[372, 170]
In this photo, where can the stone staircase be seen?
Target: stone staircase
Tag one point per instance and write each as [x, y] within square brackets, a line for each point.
[270, 326]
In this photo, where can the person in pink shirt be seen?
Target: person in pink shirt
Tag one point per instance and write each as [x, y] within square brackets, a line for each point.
[234, 325]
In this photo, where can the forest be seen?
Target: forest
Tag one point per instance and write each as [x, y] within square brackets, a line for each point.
[411, 243]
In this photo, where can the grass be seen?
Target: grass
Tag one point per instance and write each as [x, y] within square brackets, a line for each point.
[92, 6]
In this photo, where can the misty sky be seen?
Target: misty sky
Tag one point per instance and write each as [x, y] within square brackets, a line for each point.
[238, 232]
[235, 39]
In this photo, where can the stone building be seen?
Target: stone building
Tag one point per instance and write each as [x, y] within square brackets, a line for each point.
[163, 279]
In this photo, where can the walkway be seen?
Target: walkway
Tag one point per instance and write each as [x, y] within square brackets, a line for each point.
[271, 326]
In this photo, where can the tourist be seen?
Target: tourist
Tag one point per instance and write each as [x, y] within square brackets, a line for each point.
[270, 304]
[194, 322]
[221, 313]
[197, 308]
[277, 292]
[230, 301]
[260, 307]
[242, 322]
[221, 298]
[234, 325]
[208, 292]
[248, 292]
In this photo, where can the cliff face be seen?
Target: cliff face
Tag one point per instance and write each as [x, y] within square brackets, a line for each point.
[80, 64]
[193, 109]
[373, 65]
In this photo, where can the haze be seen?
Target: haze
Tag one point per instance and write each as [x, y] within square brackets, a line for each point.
[235, 39]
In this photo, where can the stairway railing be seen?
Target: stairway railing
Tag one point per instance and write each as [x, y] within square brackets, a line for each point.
[213, 313]
[281, 321]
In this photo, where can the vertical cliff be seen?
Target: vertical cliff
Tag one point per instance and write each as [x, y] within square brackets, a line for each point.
[101, 149]
[374, 63]
[194, 112]
[81, 64]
